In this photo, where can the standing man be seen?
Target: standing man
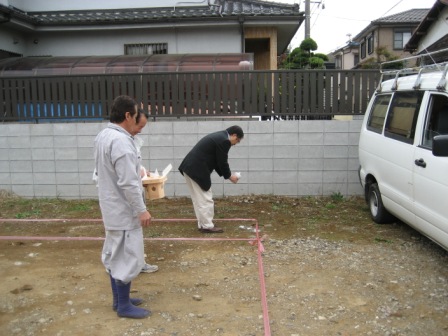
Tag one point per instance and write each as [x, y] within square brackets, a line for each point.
[122, 206]
[209, 154]
[142, 119]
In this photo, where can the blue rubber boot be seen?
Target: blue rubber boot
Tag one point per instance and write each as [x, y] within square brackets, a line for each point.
[125, 308]
[135, 302]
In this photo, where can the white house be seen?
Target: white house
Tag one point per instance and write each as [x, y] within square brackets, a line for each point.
[112, 27]
[432, 33]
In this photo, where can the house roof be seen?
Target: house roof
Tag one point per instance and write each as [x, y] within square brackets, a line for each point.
[425, 26]
[220, 10]
[409, 17]
[287, 17]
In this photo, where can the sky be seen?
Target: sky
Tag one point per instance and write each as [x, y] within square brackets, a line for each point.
[330, 26]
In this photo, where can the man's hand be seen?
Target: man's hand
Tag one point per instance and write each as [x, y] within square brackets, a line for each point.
[145, 219]
[234, 178]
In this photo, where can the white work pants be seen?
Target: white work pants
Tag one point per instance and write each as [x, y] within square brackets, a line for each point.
[204, 207]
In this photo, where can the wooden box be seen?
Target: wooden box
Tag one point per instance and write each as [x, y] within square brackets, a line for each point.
[154, 187]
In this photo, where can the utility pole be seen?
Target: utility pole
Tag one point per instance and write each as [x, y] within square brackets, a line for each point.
[308, 16]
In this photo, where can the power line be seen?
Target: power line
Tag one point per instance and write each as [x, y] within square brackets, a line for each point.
[392, 7]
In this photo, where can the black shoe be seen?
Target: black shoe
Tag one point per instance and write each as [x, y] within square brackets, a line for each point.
[211, 230]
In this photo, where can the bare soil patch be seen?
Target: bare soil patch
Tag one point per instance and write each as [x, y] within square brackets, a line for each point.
[328, 270]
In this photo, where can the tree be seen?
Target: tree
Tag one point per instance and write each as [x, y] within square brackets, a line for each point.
[303, 57]
[382, 55]
[308, 44]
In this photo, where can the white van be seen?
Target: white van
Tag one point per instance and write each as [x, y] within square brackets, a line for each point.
[403, 151]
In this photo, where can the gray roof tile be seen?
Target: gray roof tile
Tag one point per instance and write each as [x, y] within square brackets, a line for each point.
[409, 16]
[222, 9]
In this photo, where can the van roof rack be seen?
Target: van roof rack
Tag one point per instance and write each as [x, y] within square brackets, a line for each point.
[442, 67]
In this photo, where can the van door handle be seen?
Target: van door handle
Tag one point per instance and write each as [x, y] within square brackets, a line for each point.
[420, 163]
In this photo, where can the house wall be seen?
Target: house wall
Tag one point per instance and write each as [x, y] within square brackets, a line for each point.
[294, 158]
[13, 41]
[344, 58]
[383, 37]
[267, 60]
[111, 42]
[438, 30]
[386, 39]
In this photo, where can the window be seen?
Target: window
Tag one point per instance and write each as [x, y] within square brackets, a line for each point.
[355, 59]
[378, 114]
[146, 49]
[401, 37]
[338, 62]
[370, 46]
[436, 122]
[402, 116]
[363, 49]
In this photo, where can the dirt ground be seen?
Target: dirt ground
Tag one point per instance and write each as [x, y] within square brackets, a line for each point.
[327, 269]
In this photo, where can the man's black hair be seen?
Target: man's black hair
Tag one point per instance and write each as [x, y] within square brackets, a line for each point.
[120, 106]
[140, 112]
[235, 130]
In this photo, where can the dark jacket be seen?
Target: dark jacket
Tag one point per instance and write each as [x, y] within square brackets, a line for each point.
[210, 153]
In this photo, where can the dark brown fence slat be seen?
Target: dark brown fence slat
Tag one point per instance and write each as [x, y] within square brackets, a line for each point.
[364, 84]
[225, 97]
[188, 97]
[84, 107]
[298, 92]
[7, 102]
[33, 103]
[283, 91]
[13, 97]
[79, 85]
[151, 94]
[276, 94]
[306, 93]
[313, 92]
[349, 93]
[270, 87]
[195, 78]
[327, 102]
[96, 106]
[175, 93]
[320, 102]
[373, 83]
[343, 92]
[103, 97]
[237, 93]
[16, 98]
[290, 98]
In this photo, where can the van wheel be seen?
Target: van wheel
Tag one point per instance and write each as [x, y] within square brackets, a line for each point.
[377, 210]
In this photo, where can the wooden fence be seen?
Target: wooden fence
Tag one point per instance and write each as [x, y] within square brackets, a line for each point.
[291, 94]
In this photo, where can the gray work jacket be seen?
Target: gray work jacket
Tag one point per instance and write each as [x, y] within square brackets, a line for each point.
[119, 183]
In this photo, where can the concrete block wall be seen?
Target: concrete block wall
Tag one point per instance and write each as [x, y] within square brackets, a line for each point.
[294, 158]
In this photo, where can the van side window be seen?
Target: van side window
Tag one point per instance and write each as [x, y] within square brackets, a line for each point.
[378, 113]
[402, 116]
[436, 122]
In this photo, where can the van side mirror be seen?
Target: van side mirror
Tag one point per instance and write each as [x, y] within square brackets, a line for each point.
[440, 145]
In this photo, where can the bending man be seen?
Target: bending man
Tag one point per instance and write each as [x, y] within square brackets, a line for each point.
[209, 154]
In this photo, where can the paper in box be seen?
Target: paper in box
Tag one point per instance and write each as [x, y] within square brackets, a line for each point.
[154, 184]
